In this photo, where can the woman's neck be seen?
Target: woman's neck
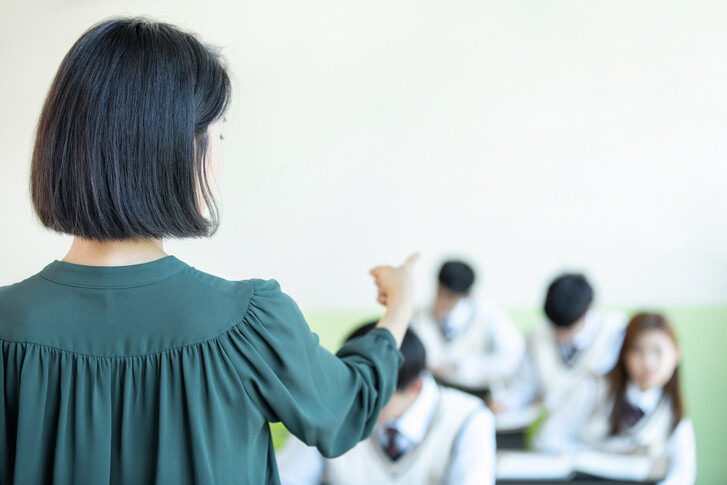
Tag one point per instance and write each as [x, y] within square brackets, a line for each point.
[114, 253]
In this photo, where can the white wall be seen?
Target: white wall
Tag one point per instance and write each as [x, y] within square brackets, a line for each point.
[527, 136]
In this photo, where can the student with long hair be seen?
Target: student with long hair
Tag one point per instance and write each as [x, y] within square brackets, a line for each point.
[122, 364]
[636, 408]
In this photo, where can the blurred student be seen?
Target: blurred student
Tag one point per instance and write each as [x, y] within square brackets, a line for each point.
[425, 434]
[469, 343]
[575, 341]
[635, 409]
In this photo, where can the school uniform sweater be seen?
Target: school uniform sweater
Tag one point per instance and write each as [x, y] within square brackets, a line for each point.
[582, 423]
[450, 438]
[480, 339]
[547, 374]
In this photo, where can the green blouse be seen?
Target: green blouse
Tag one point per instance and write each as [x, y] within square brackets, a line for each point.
[160, 373]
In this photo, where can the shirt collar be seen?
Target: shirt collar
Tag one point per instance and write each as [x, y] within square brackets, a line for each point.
[413, 424]
[589, 332]
[646, 400]
[113, 276]
[459, 316]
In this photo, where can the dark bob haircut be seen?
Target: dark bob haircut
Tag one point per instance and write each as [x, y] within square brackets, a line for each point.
[415, 356]
[121, 142]
[568, 299]
[456, 276]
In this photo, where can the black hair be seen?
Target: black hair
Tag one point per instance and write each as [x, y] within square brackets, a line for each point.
[415, 357]
[122, 137]
[456, 276]
[568, 299]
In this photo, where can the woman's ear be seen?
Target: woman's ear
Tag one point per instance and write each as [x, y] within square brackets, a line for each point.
[416, 385]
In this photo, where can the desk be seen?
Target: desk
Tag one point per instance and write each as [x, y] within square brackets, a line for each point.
[482, 392]
[580, 468]
[577, 479]
[510, 440]
[506, 439]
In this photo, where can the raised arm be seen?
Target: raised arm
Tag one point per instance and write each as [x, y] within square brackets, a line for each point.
[328, 401]
[396, 292]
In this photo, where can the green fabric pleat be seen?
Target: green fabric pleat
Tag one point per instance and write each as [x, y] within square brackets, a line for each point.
[159, 373]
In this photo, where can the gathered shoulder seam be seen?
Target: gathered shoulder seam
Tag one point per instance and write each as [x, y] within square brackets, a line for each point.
[139, 356]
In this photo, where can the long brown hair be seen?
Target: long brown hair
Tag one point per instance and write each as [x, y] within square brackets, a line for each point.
[617, 377]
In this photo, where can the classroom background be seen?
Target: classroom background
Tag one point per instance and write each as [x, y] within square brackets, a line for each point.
[528, 137]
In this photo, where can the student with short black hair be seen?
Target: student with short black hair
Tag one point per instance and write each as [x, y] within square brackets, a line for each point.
[425, 434]
[574, 341]
[635, 409]
[470, 342]
[122, 363]
[568, 298]
[456, 276]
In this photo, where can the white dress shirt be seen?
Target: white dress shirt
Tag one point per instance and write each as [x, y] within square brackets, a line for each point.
[560, 432]
[458, 317]
[413, 424]
[505, 345]
[473, 458]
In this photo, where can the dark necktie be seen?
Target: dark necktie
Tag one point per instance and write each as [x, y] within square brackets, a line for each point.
[630, 415]
[445, 328]
[568, 351]
[392, 448]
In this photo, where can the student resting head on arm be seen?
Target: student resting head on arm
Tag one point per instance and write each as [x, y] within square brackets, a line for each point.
[123, 363]
[635, 409]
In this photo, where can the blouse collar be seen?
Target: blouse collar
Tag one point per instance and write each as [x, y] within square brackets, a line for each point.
[645, 400]
[113, 276]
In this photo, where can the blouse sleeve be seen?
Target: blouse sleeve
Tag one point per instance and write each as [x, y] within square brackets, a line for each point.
[328, 401]
[559, 433]
[681, 449]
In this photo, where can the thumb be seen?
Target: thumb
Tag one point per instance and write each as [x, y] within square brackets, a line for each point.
[412, 259]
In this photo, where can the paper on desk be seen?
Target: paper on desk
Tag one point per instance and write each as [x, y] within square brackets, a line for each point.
[610, 465]
[523, 465]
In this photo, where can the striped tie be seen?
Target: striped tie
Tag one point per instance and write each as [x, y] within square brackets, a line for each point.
[630, 415]
[568, 352]
[392, 448]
